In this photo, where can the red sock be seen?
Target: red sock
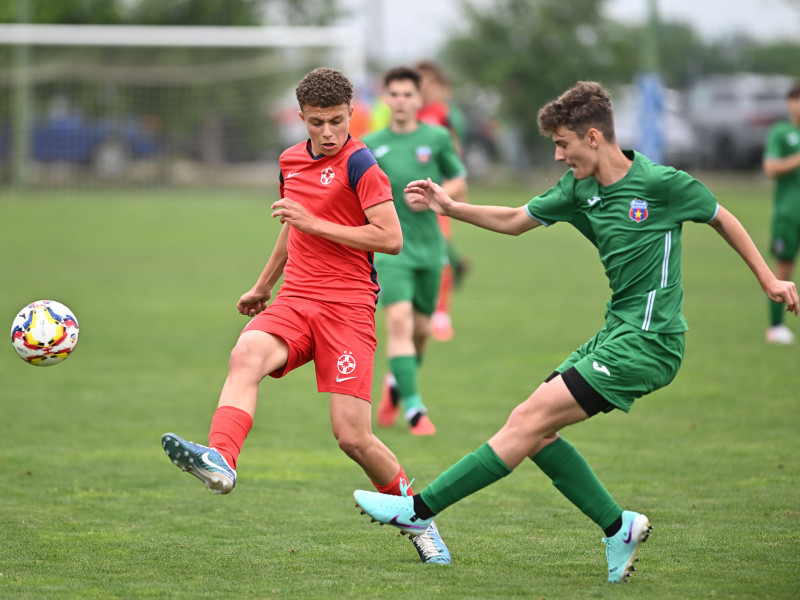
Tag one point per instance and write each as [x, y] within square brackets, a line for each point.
[229, 428]
[393, 488]
[445, 290]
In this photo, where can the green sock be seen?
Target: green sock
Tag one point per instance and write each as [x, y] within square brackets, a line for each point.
[404, 369]
[574, 478]
[473, 472]
[776, 310]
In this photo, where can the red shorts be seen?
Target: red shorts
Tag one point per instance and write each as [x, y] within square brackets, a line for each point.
[339, 338]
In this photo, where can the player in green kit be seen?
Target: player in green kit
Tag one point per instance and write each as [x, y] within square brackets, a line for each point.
[632, 210]
[782, 162]
[407, 150]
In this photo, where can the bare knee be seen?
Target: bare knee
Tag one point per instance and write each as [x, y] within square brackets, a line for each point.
[524, 418]
[256, 355]
[352, 443]
[534, 420]
[243, 359]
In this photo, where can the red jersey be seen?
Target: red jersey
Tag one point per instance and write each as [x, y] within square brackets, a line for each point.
[338, 189]
[435, 113]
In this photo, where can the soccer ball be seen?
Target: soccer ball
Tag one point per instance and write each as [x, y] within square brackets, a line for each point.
[44, 333]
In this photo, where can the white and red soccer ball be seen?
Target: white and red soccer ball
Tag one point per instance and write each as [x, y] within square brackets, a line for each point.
[44, 333]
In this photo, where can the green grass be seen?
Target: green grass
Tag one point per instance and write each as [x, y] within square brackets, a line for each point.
[90, 507]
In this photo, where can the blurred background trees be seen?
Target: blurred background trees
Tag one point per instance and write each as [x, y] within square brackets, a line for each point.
[217, 106]
[529, 51]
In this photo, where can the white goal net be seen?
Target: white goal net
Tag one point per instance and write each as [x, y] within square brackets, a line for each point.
[130, 105]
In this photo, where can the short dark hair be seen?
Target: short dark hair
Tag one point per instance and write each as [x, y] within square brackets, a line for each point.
[401, 74]
[794, 91]
[580, 108]
[323, 88]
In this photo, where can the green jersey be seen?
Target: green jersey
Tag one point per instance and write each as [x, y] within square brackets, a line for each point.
[636, 226]
[428, 151]
[783, 140]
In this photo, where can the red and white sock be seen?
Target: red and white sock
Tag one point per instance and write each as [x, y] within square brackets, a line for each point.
[393, 488]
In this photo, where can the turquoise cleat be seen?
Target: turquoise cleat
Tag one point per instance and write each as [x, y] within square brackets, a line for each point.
[431, 547]
[392, 510]
[205, 463]
[621, 548]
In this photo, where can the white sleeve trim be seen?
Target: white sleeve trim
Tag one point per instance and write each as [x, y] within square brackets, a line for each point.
[527, 210]
[716, 212]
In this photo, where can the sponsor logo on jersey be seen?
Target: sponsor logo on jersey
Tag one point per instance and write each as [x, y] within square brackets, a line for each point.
[593, 200]
[424, 154]
[381, 151]
[638, 211]
[326, 176]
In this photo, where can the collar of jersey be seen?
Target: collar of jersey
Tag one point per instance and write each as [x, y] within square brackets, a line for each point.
[319, 156]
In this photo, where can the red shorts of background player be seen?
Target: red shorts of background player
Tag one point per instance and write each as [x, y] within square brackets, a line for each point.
[339, 338]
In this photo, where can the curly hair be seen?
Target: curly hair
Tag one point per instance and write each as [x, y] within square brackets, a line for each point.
[323, 88]
[586, 105]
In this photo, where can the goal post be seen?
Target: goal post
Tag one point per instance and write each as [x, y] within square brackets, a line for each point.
[139, 100]
[181, 35]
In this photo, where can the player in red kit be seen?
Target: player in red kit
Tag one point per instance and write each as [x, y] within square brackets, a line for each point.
[336, 208]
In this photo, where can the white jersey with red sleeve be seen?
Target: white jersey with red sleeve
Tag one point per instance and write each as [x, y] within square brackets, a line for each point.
[338, 189]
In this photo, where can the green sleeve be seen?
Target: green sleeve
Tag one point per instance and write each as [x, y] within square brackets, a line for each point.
[556, 204]
[691, 200]
[775, 146]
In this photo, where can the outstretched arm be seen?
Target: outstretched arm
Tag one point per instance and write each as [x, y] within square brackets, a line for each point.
[456, 188]
[735, 234]
[502, 219]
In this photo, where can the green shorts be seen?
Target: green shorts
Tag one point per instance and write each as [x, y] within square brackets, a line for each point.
[785, 240]
[622, 362]
[404, 284]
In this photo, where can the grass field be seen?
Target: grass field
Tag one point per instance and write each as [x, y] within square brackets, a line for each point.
[91, 508]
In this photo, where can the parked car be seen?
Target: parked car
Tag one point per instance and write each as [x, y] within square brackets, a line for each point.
[731, 114]
[105, 145]
[679, 139]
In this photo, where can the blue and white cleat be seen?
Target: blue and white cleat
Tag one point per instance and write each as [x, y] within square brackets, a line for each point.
[397, 511]
[431, 547]
[205, 463]
[621, 548]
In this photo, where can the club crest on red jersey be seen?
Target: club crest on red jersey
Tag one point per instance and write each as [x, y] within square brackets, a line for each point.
[326, 176]
[424, 154]
[346, 363]
[638, 211]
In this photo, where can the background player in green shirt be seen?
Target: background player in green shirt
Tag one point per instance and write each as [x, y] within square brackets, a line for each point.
[439, 108]
[632, 210]
[782, 162]
[407, 150]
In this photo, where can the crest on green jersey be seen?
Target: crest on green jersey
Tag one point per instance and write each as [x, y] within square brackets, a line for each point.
[638, 210]
[424, 154]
